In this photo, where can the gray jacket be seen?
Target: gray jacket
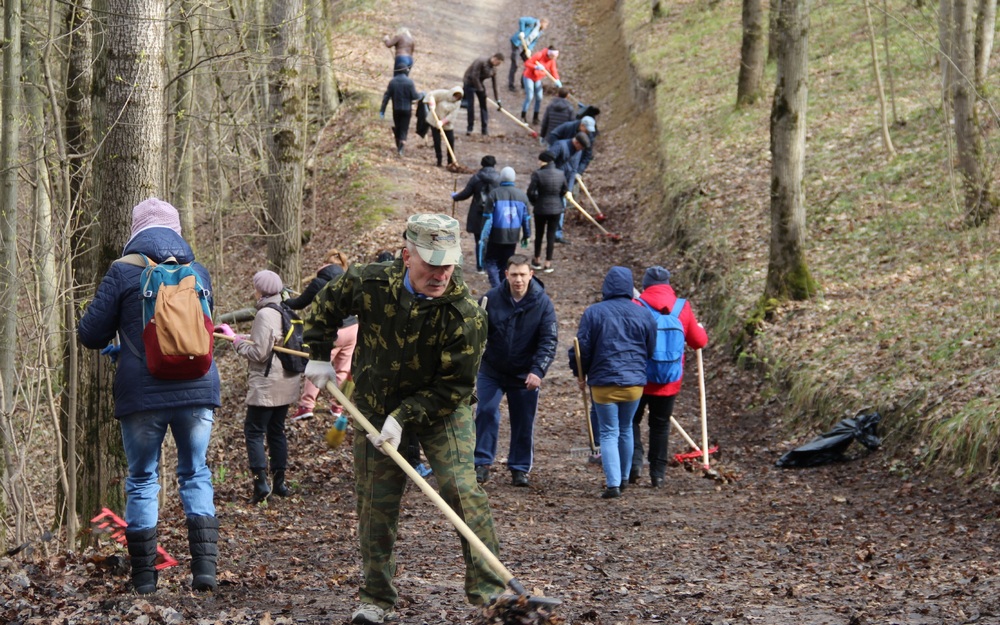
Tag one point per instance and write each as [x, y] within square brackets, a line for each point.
[279, 387]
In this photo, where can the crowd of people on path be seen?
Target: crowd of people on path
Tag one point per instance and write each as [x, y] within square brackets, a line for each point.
[405, 333]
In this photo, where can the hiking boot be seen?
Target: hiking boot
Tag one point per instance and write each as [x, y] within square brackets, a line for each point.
[301, 413]
[261, 490]
[368, 614]
[655, 481]
[279, 487]
[611, 493]
[482, 474]
[633, 476]
[519, 478]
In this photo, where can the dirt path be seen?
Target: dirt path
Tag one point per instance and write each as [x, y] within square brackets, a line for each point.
[847, 544]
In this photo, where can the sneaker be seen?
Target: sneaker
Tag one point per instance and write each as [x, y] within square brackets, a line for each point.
[301, 413]
[536, 264]
[336, 413]
[368, 613]
[549, 269]
[482, 474]
[519, 478]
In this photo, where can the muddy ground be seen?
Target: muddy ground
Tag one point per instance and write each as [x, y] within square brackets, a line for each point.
[860, 542]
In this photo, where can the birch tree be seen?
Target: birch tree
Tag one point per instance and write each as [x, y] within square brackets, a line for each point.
[752, 55]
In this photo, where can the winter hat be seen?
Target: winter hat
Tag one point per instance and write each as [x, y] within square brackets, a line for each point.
[488, 161]
[546, 157]
[655, 275]
[507, 174]
[553, 53]
[589, 124]
[582, 139]
[154, 213]
[267, 282]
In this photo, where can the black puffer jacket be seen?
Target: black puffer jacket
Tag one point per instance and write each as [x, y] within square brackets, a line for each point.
[325, 274]
[548, 185]
[477, 188]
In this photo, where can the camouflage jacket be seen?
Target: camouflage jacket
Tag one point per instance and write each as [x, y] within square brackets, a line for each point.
[416, 359]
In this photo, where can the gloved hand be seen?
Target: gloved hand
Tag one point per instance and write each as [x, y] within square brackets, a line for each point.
[499, 106]
[381, 114]
[524, 242]
[539, 67]
[453, 195]
[225, 330]
[392, 433]
[319, 372]
[111, 351]
[559, 84]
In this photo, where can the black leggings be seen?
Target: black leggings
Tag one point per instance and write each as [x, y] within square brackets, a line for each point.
[266, 422]
[545, 225]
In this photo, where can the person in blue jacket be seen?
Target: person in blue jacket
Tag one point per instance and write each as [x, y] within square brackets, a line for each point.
[146, 406]
[531, 29]
[616, 338]
[567, 155]
[506, 220]
[568, 130]
[520, 346]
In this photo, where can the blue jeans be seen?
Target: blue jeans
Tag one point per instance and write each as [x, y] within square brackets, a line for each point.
[142, 437]
[615, 421]
[532, 91]
[522, 405]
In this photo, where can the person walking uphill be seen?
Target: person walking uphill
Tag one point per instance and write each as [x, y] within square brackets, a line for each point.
[478, 188]
[535, 69]
[473, 84]
[146, 406]
[271, 389]
[523, 332]
[545, 192]
[424, 337]
[505, 218]
[403, 93]
[529, 29]
[402, 44]
[659, 296]
[616, 339]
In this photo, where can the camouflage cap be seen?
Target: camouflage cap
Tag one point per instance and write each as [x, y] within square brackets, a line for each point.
[436, 238]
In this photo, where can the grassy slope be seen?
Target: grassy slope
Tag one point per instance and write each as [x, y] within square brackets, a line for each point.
[907, 315]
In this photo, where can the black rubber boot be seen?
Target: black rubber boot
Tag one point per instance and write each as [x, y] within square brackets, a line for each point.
[534, 119]
[142, 553]
[203, 538]
[524, 117]
[278, 487]
[260, 488]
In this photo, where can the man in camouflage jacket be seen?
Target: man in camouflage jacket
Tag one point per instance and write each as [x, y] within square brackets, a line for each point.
[420, 341]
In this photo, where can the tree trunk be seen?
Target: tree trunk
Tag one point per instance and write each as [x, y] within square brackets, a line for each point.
[945, 41]
[748, 90]
[285, 139]
[986, 25]
[968, 137]
[129, 122]
[787, 273]
[773, 9]
[880, 90]
[184, 103]
[12, 505]
[319, 23]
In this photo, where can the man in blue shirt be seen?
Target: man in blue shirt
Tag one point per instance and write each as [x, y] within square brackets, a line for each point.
[531, 29]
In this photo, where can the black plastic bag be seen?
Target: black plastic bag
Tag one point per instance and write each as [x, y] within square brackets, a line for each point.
[830, 447]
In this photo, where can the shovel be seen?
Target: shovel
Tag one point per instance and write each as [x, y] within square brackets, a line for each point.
[600, 216]
[516, 120]
[571, 200]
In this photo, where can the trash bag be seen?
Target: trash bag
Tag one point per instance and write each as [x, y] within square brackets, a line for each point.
[830, 447]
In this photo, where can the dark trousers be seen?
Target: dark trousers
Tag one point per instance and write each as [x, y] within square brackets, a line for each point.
[495, 261]
[449, 134]
[545, 225]
[660, 410]
[266, 422]
[515, 52]
[400, 126]
[470, 107]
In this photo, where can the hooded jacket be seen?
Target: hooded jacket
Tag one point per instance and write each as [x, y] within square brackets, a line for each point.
[402, 91]
[662, 298]
[506, 216]
[478, 187]
[420, 355]
[444, 106]
[616, 335]
[546, 190]
[541, 57]
[117, 309]
[522, 335]
[276, 387]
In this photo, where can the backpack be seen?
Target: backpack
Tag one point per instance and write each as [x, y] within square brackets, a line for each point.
[291, 333]
[176, 321]
[666, 365]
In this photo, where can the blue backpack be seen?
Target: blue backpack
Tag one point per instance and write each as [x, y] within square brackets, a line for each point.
[666, 365]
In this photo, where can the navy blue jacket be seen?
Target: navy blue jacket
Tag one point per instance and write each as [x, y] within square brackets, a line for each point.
[522, 336]
[568, 130]
[402, 92]
[116, 308]
[478, 188]
[567, 159]
[616, 335]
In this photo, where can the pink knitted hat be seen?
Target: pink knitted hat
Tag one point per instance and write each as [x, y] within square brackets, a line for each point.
[155, 213]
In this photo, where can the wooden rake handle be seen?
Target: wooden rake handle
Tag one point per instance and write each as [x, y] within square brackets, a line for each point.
[571, 200]
[583, 392]
[586, 192]
[513, 118]
[444, 137]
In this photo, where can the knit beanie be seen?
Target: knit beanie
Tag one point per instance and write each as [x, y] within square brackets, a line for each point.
[267, 282]
[507, 174]
[546, 157]
[488, 161]
[154, 213]
[655, 275]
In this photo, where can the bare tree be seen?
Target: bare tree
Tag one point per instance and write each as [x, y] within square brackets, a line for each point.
[752, 55]
[787, 272]
[319, 30]
[185, 49]
[773, 8]
[968, 134]
[880, 90]
[986, 26]
[285, 140]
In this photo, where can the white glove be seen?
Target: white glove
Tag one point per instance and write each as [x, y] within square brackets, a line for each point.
[392, 433]
[319, 372]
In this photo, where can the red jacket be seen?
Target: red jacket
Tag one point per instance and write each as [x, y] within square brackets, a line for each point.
[662, 298]
[542, 56]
